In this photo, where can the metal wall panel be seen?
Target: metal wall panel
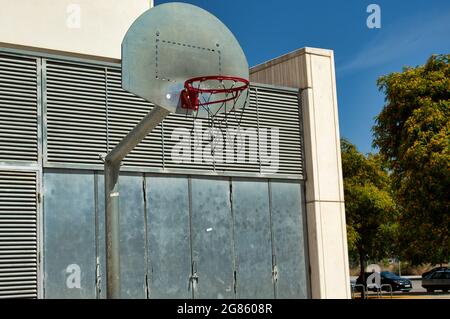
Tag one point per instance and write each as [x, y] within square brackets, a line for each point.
[125, 110]
[69, 235]
[253, 247]
[281, 109]
[212, 238]
[132, 237]
[18, 234]
[288, 236]
[168, 237]
[18, 108]
[75, 102]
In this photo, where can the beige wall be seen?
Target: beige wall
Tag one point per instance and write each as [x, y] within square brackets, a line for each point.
[312, 70]
[53, 24]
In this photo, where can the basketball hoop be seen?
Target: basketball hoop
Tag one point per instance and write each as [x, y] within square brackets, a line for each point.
[217, 96]
[212, 89]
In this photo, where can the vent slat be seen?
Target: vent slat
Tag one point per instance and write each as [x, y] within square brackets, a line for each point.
[76, 113]
[18, 109]
[18, 235]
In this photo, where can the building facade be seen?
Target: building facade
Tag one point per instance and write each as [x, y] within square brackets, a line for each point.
[265, 222]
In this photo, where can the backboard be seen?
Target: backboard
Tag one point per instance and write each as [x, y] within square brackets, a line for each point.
[174, 42]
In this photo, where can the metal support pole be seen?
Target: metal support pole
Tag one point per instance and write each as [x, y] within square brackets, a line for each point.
[112, 230]
[112, 216]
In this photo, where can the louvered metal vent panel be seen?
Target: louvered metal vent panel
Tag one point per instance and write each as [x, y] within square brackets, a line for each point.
[85, 101]
[18, 109]
[241, 139]
[18, 235]
[125, 110]
[280, 109]
[76, 113]
[195, 159]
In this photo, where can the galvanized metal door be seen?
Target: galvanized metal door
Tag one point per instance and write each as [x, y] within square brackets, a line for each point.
[69, 234]
[169, 249]
[212, 238]
[252, 231]
[288, 229]
[133, 242]
[132, 237]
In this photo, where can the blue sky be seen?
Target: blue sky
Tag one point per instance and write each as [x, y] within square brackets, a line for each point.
[410, 32]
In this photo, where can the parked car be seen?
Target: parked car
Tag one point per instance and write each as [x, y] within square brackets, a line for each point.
[388, 278]
[438, 280]
[432, 271]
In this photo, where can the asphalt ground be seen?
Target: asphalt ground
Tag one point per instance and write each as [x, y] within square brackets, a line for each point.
[407, 295]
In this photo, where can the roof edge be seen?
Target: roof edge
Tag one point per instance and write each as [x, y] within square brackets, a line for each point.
[291, 55]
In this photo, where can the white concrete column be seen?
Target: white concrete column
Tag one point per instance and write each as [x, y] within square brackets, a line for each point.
[328, 255]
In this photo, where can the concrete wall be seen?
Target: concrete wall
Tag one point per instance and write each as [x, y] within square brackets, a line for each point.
[91, 27]
[312, 70]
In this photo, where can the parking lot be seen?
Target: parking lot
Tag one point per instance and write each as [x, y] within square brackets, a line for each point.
[417, 291]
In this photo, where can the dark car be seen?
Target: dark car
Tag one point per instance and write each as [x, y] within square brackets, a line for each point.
[388, 278]
[432, 271]
[438, 280]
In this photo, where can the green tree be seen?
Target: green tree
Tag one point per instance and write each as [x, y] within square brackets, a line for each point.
[412, 133]
[370, 210]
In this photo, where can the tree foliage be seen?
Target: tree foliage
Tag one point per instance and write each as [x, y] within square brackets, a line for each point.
[370, 210]
[412, 133]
